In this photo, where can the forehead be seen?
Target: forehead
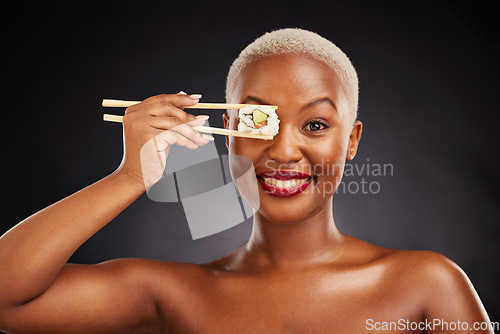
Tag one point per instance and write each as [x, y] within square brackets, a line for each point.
[288, 78]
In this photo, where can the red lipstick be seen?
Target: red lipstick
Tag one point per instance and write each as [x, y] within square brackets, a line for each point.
[284, 183]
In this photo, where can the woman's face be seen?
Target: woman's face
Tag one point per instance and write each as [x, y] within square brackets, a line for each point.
[316, 135]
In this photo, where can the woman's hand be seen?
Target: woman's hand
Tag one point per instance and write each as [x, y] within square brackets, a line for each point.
[151, 127]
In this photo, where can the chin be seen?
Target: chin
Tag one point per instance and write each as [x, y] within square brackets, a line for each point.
[290, 210]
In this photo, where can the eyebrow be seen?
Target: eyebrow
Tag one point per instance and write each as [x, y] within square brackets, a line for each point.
[307, 106]
[254, 99]
[318, 101]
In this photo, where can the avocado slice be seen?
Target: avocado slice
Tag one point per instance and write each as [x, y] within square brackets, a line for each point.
[258, 116]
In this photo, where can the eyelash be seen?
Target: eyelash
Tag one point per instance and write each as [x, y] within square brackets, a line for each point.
[316, 121]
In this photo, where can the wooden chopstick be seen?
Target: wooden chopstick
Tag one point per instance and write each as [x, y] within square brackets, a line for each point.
[227, 132]
[125, 104]
[205, 129]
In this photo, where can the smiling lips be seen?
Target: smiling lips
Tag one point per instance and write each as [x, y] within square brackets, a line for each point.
[283, 183]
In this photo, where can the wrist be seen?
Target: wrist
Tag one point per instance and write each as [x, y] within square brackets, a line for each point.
[130, 182]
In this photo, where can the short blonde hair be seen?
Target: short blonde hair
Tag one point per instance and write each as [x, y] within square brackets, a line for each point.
[298, 41]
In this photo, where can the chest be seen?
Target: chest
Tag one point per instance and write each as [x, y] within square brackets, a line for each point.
[285, 304]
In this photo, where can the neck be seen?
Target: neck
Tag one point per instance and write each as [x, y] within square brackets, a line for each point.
[309, 241]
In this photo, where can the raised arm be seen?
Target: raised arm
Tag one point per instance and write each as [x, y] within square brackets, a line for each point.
[39, 291]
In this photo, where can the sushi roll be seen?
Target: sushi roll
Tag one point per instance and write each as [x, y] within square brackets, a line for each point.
[261, 120]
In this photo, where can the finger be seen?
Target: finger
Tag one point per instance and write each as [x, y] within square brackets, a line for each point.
[177, 100]
[202, 119]
[199, 121]
[174, 124]
[162, 109]
[182, 93]
[169, 122]
[168, 138]
[179, 127]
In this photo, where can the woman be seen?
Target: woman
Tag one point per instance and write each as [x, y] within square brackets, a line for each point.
[296, 274]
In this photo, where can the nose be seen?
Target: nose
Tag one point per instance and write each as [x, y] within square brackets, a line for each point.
[285, 147]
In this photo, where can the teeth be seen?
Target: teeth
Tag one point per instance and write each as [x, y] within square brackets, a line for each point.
[284, 184]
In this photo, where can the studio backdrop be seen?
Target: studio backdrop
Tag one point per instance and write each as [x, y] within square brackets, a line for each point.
[425, 176]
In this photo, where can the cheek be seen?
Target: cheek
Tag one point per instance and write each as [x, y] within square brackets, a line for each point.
[328, 161]
[241, 146]
[246, 149]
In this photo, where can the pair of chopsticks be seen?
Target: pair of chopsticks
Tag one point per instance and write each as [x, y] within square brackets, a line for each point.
[205, 129]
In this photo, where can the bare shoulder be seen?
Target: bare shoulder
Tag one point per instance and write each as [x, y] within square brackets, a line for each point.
[432, 270]
[419, 264]
[424, 270]
[439, 276]
[436, 283]
[447, 292]
[425, 273]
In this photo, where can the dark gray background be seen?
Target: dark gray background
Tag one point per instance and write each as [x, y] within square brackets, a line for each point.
[428, 86]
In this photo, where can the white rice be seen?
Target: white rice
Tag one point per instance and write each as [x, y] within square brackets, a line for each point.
[246, 123]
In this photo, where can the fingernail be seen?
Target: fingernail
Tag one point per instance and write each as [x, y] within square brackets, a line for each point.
[202, 117]
[195, 96]
[208, 137]
[181, 93]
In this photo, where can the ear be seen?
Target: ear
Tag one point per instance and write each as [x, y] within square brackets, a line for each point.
[354, 138]
[225, 117]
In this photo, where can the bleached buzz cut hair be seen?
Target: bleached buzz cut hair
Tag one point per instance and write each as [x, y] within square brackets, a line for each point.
[298, 41]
